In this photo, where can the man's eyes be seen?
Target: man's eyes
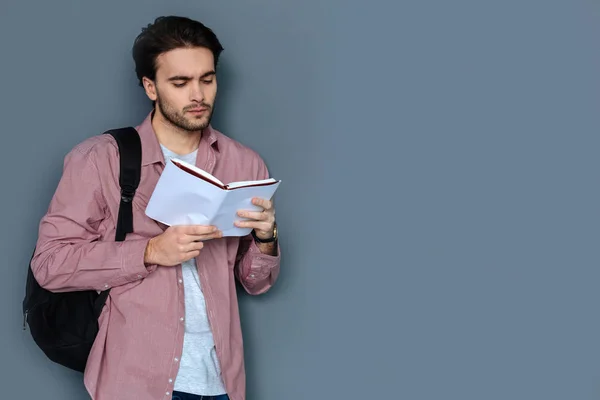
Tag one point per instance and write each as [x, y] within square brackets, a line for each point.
[182, 84]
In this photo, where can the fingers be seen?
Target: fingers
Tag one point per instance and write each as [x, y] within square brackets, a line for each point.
[194, 233]
[197, 230]
[264, 203]
[258, 225]
[258, 220]
[190, 247]
[189, 255]
[200, 238]
[255, 215]
[268, 213]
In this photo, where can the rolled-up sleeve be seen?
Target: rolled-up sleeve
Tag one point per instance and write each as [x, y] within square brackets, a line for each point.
[69, 254]
[257, 272]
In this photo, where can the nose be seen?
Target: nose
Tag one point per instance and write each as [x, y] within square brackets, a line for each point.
[197, 92]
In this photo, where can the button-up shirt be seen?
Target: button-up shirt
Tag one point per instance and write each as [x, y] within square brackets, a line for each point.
[139, 344]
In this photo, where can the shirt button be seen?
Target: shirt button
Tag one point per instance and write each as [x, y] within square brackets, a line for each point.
[167, 393]
[251, 275]
[176, 359]
[181, 281]
[181, 319]
[105, 285]
[139, 276]
[170, 380]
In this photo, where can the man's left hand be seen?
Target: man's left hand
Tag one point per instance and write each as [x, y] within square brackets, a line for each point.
[262, 222]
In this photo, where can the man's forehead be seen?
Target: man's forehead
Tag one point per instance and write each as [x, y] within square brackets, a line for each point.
[190, 62]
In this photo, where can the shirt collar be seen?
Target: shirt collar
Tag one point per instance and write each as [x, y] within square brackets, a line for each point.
[151, 151]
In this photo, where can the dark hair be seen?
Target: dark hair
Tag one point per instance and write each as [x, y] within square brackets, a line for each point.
[169, 33]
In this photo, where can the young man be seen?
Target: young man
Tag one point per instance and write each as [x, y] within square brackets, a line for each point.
[170, 328]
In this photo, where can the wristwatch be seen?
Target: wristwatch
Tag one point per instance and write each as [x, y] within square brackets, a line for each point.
[270, 240]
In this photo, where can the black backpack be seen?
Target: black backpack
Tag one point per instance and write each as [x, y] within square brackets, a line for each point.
[64, 325]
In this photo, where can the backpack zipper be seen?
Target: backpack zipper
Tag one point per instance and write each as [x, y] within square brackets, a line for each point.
[31, 308]
[25, 319]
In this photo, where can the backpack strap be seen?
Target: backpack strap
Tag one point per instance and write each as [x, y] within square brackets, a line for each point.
[130, 158]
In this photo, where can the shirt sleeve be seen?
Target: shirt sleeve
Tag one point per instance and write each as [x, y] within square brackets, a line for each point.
[70, 254]
[257, 272]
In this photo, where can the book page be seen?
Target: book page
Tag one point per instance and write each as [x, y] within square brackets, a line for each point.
[240, 199]
[195, 171]
[180, 198]
[235, 185]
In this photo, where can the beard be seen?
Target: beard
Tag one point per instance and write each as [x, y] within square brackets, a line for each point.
[179, 119]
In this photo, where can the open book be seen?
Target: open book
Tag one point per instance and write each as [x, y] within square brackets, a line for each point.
[187, 195]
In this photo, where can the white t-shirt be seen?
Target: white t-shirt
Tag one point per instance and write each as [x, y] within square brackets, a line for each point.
[199, 370]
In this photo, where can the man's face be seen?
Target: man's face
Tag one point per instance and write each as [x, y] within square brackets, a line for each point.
[185, 87]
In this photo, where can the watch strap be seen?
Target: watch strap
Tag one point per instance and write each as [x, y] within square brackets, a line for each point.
[269, 240]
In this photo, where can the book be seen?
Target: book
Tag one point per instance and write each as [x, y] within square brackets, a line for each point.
[188, 195]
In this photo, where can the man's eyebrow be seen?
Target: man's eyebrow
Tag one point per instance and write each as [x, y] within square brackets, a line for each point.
[179, 78]
[189, 78]
[207, 74]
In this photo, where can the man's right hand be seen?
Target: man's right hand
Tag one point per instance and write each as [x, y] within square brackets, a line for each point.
[178, 244]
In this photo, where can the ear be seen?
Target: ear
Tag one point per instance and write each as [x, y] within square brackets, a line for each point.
[150, 88]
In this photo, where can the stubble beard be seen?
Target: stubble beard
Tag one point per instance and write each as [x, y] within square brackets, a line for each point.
[179, 120]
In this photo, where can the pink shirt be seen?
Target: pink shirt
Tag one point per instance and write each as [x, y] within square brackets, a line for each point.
[140, 341]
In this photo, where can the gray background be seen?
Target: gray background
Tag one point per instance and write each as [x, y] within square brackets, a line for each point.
[439, 211]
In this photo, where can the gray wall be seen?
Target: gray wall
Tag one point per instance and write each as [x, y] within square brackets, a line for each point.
[439, 211]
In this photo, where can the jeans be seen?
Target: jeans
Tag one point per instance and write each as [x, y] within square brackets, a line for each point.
[186, 396]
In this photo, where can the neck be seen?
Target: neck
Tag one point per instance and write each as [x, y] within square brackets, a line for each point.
[174, 138]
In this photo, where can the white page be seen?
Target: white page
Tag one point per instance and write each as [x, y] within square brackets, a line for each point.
[241, 199]
[234, 185]
[199, 171]
[183, 199]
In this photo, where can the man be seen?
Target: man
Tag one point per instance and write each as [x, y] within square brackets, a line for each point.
[170, 328]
